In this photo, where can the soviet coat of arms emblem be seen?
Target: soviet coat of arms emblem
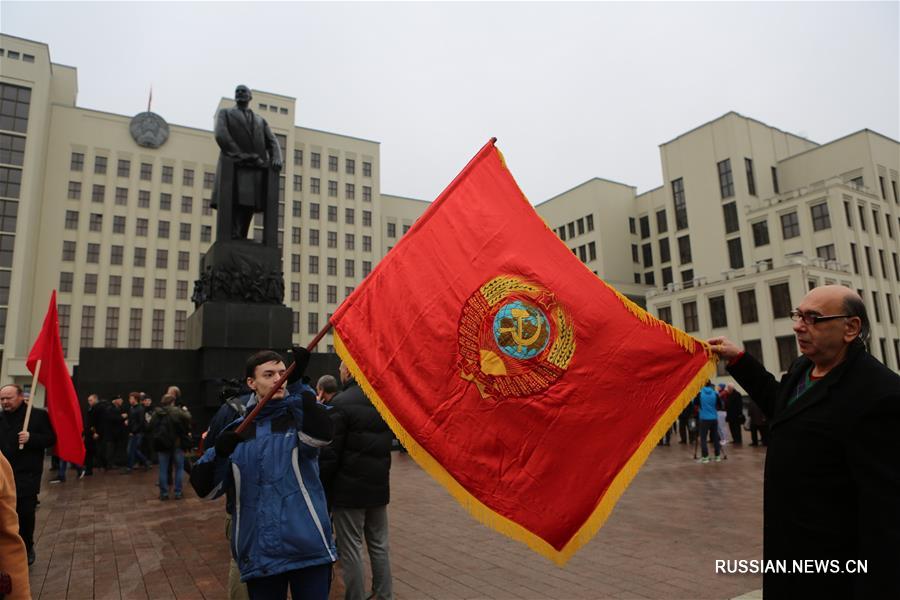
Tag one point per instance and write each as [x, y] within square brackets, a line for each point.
[149, 130]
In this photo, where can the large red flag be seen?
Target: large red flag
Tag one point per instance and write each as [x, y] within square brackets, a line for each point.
[524, 384]
[62, 402]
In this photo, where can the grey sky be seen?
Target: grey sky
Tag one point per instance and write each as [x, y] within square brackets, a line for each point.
[572, 91]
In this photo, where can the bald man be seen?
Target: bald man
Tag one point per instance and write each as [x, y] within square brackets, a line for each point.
[832, 476]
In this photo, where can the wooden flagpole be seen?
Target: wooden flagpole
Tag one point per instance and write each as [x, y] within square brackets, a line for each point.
[278, 384]
[34, 382]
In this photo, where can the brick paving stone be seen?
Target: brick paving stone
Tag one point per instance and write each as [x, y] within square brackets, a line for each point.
[108, 536]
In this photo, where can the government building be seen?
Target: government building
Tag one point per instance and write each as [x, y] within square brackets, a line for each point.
[749, 218]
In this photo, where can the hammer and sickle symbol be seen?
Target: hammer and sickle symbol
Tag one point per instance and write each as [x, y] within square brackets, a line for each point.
[518, 331]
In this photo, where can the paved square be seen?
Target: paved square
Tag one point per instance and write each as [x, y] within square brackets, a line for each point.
[108, 536]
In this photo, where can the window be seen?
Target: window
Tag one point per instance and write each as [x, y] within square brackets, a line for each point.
[313, 294]
[298, 158]
[853, 256]
[99, 165]
[896, 266]
[666, 276]
[112, 327]
[571, 227]
[116, 254]
[206, 233]
[187, 177]
[295, 318]
[332, 294]
[162, 230]
[333, 163]
[349, 191]
[314, 185]
[165, 201]
[883, 266]
[665, 314]
[137, 287]
[313, 237]
[209, 180]
[367, 243]
[115, 285]
[781, 300]
[121, 196]
[367, 193]
[65, 281]
[167, 174]
[592, 251]
[314, 210]
[159, 288]
[187, 205]
[11, 182]
[876, 222]
[87, 326]
[775, 180]
[717, 311]
[140, 257]
[890, 307]
[146, 171]
[644, 225]
[760, 233]
[790, 226]
[157, 330]
[881, 185]
[93, 254]
[180, 327]
[350, 166]
[392, 230]
[143, 199]
[332, 214]
[631, 227]
[687, 278]
[868, 252]
[332, 189]
[635, 256]
[582, 253]
[134, 327]
[162, 258]
[827, 252]
[312, 323]
[366, 267]
[726, 181]
[74, 190]
[98, 193]
[747, 304]
[684, 249]
[331, 266]
[313, 265]
[862, 217]
[820, 218]
[184, 261]
[181, 290]
[754, 349]
[649, 278]
[71, 219]
[731, 217]
[889, 225]
[349, 268]
[14, 103]
[735, 254]
[787, 351]
[349, 241]
[77, 162]
[681, 219]
[590, 221]
[349, 216]
[184, 232]
[691, 322]
[876, 306]
[12, 149]
[661, 225]
[367, 218]
[647, 253]
[9, 211]
[68, 251]
[367, 169]
[315, 160]
[751, 181]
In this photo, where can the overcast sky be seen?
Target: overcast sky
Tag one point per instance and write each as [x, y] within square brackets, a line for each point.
[572, 91]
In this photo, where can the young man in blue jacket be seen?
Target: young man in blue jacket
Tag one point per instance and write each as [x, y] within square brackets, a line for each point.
[707, 400]
[281, 535]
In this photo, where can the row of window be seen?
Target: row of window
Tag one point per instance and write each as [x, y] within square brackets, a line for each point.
[111, 330]
[726, 179]
[586, 252]
[123, 169]
[392, 229]
[95, 223]
[576, 227]
[349, 239]
[665, 255]
[16, 55]
[117, 255]
[114, 286]
[867, 251]
[331, 265]
[14, 104]
[98, 195]
[315, 188]
[315, 162]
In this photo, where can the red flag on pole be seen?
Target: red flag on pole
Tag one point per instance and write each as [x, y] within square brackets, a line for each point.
[62, 402]
[523, 383]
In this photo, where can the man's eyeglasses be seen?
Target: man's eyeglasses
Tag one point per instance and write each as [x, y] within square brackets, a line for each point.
[813, 318]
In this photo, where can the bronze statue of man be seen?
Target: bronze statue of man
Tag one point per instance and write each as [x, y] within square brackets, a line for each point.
[249, 154]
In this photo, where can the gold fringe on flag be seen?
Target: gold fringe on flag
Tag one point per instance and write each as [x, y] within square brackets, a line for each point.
[498, 522]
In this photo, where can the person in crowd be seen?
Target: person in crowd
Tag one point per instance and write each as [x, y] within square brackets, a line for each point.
[734, 413]
[759, 429]
[14, 583]
[296, 549]
[28, 461]
[62, 469]
[832, 474]
[136, 427]
[721, 415]
[91, 436]
[359, 490]
[169, 427]
[707, 401]
[685, 433]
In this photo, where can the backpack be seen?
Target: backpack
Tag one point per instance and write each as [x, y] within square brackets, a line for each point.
[164, 436]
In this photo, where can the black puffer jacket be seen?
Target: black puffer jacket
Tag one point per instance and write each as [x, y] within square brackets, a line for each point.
[356, 470]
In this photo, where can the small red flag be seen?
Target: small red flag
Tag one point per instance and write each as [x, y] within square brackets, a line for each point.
[62, 402]
[523, 383]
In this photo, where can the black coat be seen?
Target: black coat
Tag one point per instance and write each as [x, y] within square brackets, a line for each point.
[734, 407]
[356, 468]
[832, 478]
[27, 463]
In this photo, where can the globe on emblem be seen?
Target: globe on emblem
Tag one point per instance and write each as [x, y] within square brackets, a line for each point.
[149, 130]
[521, 330]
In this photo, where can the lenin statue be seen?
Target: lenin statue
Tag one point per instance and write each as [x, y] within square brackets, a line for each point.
[247, 171]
